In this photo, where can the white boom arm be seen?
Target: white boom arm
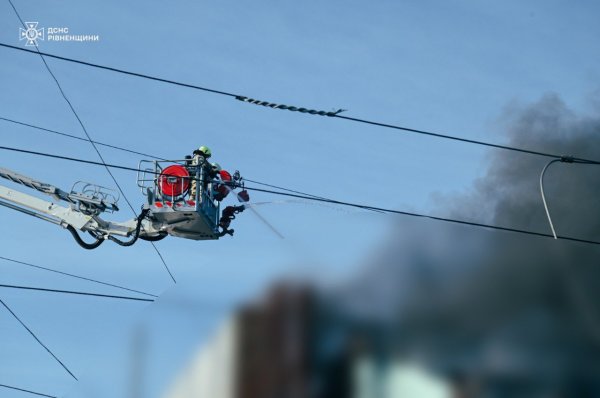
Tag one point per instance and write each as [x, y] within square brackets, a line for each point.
[81, 213]
[45, 210]
[62, 215]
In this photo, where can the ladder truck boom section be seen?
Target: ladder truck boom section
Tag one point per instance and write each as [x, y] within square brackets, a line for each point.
[169, 210]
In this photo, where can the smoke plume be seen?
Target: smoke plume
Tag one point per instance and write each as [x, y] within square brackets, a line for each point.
[495, 303]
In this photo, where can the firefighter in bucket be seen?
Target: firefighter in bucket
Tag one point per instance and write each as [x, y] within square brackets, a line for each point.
[223, 184]
[178, 185]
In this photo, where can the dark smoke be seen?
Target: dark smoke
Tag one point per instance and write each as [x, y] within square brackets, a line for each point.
[498, 307]
[508, 194]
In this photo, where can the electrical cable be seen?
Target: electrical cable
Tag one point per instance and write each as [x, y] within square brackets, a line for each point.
[563, 159]
[60, 89]
[111, 296]
[78, 138]
[544, 196]
[412, 214]
[37, 339]
[338, 202]
[450, 137]
[308, 111]
[76, 276]
[573, 160]
[271, 185]
[158, 79]
[282, 188]
[78, 160]
[143, 154]
[28, 391]
[294, 191]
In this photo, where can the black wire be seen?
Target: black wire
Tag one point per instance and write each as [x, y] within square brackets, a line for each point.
[90, 139]
[282, 188]
[134, 169]
[332, 201]
[294, 191]
[112, 296]
[79, 138]
[158, 79]
[567, 159]
[143, 154]
[573, 160]
[406, 213]
[449, 137]
[114, 166]
[28, 391]
[76, 276]
[37, 339]
[336, 115]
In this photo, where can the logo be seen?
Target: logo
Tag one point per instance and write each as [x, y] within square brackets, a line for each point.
[32, 34]
[60, 33]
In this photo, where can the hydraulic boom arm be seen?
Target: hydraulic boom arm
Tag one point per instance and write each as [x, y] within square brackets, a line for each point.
[77, 210]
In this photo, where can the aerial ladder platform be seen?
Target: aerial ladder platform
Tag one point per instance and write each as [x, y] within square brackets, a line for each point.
[172, 206]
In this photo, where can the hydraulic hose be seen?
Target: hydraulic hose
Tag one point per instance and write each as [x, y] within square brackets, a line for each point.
[81, 242]
[161, 236]
[136, 233]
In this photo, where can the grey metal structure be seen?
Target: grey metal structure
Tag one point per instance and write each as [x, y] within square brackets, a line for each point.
[79, 210]
[193, 217]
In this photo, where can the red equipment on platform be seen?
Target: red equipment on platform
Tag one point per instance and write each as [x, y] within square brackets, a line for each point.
[174, 181]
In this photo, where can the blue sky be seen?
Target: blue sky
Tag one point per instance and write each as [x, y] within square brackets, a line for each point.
[449, 66]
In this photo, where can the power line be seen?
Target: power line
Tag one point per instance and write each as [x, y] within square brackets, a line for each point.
[76, 276]
[294, 191]
[412, 214]
[28, 391]
[449, 137]
[78, 138]
[37, 339]
[158, 79]
[302, 110]
[114, 166]
[292, 108]
[338, 202]
[120, 148]
[60, 89]
[271, 185]
[111, 296]
[564, 159]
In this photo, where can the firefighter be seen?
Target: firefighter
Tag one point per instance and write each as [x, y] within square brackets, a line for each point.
[221, 189]
[199, 159]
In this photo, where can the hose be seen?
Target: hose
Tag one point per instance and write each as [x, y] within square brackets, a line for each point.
[81, 242]
[136, 233]
[161, 236]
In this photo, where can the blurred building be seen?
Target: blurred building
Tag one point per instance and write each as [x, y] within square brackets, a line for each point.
[290, 345]
[212, 370]
[262, 351]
